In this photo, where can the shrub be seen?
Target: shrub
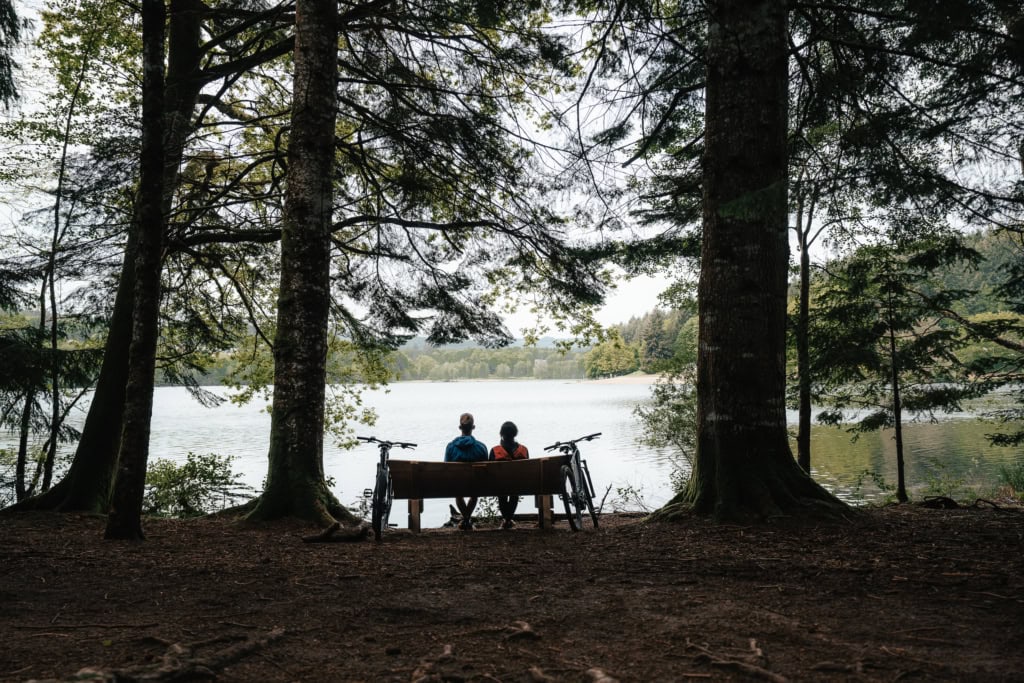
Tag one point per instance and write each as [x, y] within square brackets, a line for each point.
[203, 484]
[1013, 476]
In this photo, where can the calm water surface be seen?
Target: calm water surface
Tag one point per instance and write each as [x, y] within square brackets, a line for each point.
[947, 456]
[427, 413]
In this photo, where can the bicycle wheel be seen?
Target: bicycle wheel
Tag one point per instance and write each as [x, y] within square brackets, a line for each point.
[573, 509]
[381, 505]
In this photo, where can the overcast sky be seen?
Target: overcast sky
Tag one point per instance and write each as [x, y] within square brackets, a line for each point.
[633, 298]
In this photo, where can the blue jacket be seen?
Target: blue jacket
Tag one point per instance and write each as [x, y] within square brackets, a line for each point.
[465, 449]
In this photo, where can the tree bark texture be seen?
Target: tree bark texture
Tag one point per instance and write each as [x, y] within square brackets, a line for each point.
[743, 466]
[125, 518]
[295, 478]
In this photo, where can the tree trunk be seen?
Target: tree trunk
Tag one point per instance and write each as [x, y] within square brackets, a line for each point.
[22, 489]
[21, 464]
[55, 242]
[295, 477]
[743, 466]
[803, 352]
[88, 483]
[897, 416]
[125, 519]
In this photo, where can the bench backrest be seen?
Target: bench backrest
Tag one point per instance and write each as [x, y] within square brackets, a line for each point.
[419, 479]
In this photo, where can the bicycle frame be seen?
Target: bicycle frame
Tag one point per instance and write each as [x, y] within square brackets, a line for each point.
[383, 494]
[577, 486]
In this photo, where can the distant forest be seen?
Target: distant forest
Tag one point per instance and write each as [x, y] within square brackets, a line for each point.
[642, 343]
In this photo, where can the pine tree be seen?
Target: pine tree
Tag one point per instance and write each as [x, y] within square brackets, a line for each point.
[885, 346]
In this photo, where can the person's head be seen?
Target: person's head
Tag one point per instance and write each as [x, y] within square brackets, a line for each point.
[466, 425]
[508, 431]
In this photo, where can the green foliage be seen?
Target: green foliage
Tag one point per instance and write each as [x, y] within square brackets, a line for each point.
[962, 305]
[670, 421]
[873, 323]
[487, 511]
[940, 481]
[351, 370]
[1013, 476]
[26, 392]
[10, 35]
[999, 252]
[629, 498]
[879, 484]
[203, 484]
[612, 357]
[8, 458]
[416, 361]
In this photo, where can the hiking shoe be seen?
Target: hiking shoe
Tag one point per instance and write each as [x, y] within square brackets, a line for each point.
[508, 524]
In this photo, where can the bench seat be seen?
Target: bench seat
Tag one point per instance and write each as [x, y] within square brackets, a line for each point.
[416, 480]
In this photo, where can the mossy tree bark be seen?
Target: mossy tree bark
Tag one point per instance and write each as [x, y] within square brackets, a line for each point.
[295, 479]
[744, 467]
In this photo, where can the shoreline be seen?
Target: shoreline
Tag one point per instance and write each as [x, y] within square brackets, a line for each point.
[633, 378]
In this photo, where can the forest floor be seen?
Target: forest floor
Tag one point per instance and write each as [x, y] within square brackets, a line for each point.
[898, 593]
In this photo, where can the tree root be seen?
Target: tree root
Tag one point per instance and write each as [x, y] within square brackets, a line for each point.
[427, 671]
[520, 630]
[673, 511]
[339, 534]
[939, 503]
[946, 503]
[239, 510]
[706, 655]
[178, 663]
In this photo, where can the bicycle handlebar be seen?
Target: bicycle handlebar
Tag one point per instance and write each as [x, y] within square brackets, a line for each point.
[569, 444]
[389, 444]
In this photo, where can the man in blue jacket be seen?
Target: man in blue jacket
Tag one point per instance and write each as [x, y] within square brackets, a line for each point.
[465, 448]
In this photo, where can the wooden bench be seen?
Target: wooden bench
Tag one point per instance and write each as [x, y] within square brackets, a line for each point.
[417, 480]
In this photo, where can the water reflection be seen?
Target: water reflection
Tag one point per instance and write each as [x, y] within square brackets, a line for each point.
[950, 457]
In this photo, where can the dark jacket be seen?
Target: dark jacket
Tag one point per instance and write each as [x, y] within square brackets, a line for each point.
[465, 449]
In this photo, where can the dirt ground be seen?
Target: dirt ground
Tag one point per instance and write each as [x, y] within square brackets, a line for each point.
[902, 593]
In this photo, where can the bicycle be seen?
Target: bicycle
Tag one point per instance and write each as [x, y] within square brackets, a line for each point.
[577, 488]
[380, 507]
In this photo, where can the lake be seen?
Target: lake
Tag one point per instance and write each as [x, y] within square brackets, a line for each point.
[945, 457]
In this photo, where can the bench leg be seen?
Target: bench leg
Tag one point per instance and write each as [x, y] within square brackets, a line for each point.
[543, 504]
[415, 507]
